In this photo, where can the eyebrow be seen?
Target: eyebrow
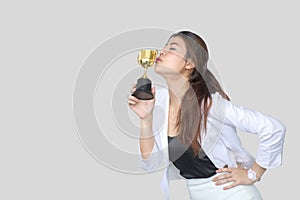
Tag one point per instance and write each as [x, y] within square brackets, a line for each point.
[173, 43]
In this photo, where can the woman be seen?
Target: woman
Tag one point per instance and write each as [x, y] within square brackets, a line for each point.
[196, 135]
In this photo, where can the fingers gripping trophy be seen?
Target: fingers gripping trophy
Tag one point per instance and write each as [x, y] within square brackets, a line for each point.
[146, 59]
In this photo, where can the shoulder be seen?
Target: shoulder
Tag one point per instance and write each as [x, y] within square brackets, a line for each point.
[217, 98]
[218, 104]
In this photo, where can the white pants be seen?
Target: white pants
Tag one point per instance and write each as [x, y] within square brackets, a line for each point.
[205, 189]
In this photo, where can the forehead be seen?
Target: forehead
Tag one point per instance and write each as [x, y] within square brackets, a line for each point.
[177, 40]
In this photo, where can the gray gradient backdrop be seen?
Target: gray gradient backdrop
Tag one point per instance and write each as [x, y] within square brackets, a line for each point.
[253, 44]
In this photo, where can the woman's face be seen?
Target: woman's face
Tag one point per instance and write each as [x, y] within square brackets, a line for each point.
[172, 58]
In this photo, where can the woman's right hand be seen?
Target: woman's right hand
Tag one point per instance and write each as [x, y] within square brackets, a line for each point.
[143, 108]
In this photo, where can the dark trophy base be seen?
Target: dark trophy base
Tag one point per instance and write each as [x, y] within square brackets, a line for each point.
[143, 89]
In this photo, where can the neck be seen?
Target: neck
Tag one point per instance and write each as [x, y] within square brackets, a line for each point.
[177, 88]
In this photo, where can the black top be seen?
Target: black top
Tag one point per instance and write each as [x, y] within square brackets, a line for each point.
[190, 166]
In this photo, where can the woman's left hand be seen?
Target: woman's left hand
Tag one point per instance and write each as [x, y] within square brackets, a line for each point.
[238, 176]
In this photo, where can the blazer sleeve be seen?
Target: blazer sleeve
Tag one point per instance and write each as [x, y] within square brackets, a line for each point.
[153, 161]
[270, 130]
[158, 156]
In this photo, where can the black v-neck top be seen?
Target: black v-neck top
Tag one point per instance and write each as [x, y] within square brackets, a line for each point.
[190, 166]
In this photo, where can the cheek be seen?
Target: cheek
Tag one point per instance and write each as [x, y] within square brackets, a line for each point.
[175, 62]
[177, 65]
[172, 64]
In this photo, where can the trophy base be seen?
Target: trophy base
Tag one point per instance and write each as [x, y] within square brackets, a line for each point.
[143, 89]
[142, 95]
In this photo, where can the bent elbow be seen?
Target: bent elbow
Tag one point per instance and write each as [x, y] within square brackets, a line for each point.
[282, 129]
[150, 164]
[279, 128]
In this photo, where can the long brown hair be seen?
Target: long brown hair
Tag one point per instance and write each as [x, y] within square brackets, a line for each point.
[195, 105]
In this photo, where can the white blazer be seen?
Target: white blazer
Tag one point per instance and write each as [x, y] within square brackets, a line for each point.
[221, 142]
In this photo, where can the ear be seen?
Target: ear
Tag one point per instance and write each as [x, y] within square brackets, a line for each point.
[189, 65]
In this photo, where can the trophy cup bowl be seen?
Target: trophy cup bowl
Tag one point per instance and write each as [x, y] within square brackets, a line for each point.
[146, 59]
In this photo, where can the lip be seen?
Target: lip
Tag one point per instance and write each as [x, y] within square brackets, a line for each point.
[158, 60]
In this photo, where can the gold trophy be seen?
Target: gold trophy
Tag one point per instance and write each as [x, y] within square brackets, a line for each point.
[146, 59]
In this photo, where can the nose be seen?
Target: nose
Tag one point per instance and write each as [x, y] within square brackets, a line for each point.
[162, 52]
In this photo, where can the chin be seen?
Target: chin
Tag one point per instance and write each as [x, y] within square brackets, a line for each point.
[163, 70]
[157, 68]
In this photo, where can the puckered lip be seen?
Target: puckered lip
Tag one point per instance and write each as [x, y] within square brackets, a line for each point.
[158, 60]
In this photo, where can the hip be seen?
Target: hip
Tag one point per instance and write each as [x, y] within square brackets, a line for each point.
[205, 189]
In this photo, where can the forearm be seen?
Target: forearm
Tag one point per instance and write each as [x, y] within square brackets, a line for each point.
[146, 137]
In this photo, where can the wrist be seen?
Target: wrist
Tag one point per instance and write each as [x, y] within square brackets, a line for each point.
[146, 121]
[259, 171]
[251, 174]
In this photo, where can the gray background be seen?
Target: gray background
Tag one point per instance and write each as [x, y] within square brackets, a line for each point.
[43, 44]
